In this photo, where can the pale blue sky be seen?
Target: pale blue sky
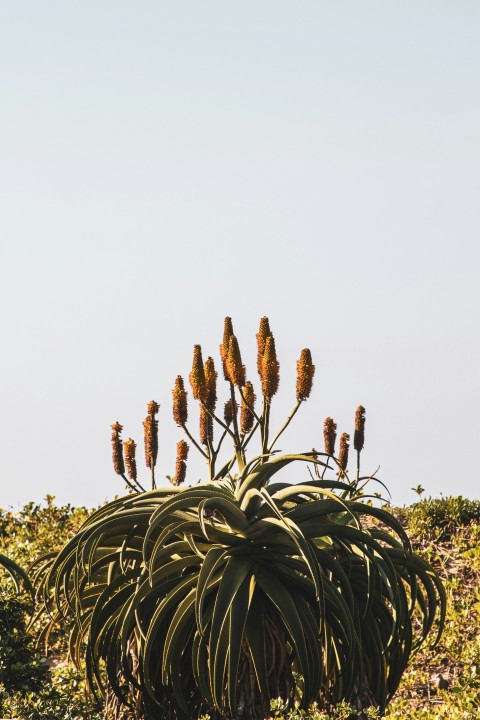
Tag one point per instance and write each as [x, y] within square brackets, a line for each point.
[163, 164]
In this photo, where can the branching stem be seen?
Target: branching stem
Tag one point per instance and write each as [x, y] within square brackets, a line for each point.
[285, 424]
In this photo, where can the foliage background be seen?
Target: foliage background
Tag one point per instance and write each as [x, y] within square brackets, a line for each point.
[445, 530]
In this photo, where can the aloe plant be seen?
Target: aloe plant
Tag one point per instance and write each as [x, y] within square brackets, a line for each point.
[264, 581]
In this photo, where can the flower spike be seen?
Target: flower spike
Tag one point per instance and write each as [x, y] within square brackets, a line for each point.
[117, 451]
[305, 373]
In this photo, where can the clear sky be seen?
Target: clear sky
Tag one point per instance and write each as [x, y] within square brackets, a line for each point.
[164, 164]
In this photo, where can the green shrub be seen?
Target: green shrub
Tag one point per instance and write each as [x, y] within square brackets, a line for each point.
[21, 666]
[439, 518]
[37, 529]
[61, 697]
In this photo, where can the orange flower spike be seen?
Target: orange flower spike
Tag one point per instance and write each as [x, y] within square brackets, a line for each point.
[329, 435]
[210, 384]
[359, 435]
[181, 464]
[180, 408]
[227, 333]
[129, 447]
[246, 416]
[305, 373]
[263, 333]
[270, 369]
[206, 427]
[230, 409]
[235, 368]
[343, 452]
[150, 430]
[117, 451]
[197, 376]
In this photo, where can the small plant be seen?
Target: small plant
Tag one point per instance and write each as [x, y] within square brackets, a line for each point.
[218, 597]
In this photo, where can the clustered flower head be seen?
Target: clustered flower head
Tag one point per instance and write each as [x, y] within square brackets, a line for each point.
[263, 333]
[210, 384]
[359, 436]
[117, 452]
[181, 464]
[343, 452]
[150, 429]
[235, 368]
[203, 381]
[180, 409]
[205, 426]
[247, 417]
[230, 411]
[197, 376]
[227, 333]
[329, 435]
[129, 448]
[270, 376]
[305, 373]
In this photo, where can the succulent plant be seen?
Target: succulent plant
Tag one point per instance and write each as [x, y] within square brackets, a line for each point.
[260, 582]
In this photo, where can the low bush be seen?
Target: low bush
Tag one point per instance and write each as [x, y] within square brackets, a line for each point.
[439, 518]
[22, 669]
[61, 697]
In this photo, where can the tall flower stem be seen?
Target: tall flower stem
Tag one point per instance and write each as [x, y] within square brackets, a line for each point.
[237, 442]
[285, 424]
[192, 439]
